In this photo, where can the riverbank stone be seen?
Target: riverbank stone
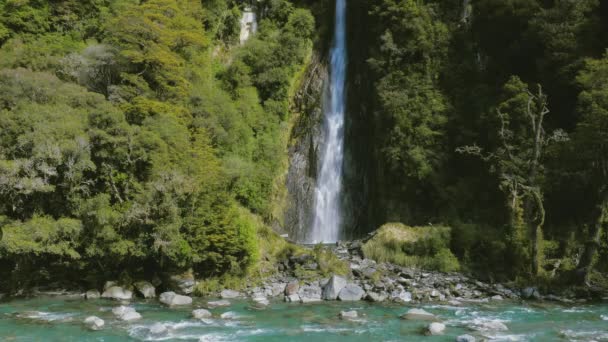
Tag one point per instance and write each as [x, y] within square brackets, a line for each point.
[465, 338]
[126, 313]
[351, 292]
[173, 299]
[92, 294]
[333, 287]
[117, 292]
[145, 289]
[229, 294]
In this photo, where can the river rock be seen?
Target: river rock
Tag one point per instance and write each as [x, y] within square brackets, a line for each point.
[126, 313]
[351, 292]
[349, 314]
[229, 315]
[260, 302]
[183, 283]
[496, 298]
[229, 294]
[145, 289]
[294, 298]
[418, 314]
[465, 338]
[158, 329]
[218, 304]
[109, 284]
[173, 299]
[333, 287]
[401, 296]
[117, 292]
[310, 294]
[488, 326]
[92, 294]
[201, 314]
[277, 289]
[375, 297]
[436, 328]
[530, 293]
[292, 288]
[94, 322]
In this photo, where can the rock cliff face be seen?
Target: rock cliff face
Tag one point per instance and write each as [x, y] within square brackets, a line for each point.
[306, 137]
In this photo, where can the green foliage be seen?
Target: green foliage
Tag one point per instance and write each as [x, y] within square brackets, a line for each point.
[419, 247]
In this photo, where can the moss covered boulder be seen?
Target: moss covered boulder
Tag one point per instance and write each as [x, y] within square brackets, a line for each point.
[419, 247]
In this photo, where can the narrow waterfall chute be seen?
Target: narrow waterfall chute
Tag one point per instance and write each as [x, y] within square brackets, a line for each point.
[327, 211]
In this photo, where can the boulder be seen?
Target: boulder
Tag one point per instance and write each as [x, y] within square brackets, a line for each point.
[351, 292]
[292, 288]
[229, 294]
[182, 283]
[94, 322]
[145, 289]
[401, 296]
[229, 315]
[173, 299]
[375, 297]
[419, 314]
[496, 298]
[201, 314]
[158, 329]
[92, 294]
[310, 294]
[465, 338]
[277, 289]
[125, 313]
[117, 292]
[294, 298]
[530, 293]
[260, 302]
[436, 328]
[349, 314]
[333, 287]
[218, 304]
[109, 284]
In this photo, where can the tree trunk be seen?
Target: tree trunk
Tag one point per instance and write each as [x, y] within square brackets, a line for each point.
[586, 261]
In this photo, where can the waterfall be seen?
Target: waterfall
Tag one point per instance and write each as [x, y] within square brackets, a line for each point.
[327, 211]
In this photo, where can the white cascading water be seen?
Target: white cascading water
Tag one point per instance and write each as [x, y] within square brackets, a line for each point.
[327, 220]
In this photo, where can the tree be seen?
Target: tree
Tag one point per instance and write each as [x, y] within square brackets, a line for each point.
[518, 162]
[591, 149]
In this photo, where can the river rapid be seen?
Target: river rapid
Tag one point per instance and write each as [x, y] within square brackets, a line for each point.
[61, 319]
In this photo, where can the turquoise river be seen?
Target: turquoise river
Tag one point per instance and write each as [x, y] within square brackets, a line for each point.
[60, 319]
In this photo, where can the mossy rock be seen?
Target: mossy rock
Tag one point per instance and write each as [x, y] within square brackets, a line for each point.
[419, 247]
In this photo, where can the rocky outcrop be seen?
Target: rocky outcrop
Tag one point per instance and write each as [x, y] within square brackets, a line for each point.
[306, 139]
[94, 323]
[173, 299]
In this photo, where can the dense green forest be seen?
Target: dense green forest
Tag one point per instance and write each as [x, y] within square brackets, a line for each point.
[140, 137]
